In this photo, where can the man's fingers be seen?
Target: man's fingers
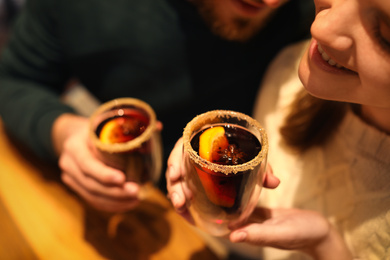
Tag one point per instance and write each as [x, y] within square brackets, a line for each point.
[91, 166]
[99, 201]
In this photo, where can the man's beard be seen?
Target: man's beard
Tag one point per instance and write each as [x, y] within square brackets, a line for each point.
[233, 29]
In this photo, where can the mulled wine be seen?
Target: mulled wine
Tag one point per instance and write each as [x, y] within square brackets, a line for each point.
[241, 146]
[122, 128]
[225, 154]
[125, 137]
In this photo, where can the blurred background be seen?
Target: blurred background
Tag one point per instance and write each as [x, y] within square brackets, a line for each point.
[8, 10]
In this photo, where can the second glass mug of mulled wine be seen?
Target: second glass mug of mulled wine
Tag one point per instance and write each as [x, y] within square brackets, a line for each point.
[124, 135]
[225, 155]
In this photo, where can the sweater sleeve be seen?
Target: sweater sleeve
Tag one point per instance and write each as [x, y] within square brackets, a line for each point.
[32, 75]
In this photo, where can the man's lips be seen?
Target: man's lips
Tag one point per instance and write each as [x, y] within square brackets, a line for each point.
[254, 3]
[249, 7]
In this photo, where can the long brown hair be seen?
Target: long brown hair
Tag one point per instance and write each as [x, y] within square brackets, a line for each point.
[311, 121]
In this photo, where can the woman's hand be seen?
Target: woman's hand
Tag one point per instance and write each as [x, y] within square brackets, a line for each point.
[177, 188]
[293, 229]
[178, 191]
[101, 186]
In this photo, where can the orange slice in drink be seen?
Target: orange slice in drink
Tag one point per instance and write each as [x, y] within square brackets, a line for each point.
[220, 189]
[123, 128]
[212, 141]
[118, 130]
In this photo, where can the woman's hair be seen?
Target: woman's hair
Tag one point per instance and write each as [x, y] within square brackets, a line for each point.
[311, 121]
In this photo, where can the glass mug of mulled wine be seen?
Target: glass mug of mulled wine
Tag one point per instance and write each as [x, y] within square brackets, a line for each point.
[124, 135]
[225, 155]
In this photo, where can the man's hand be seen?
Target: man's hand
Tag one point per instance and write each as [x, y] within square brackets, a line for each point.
[103, 187]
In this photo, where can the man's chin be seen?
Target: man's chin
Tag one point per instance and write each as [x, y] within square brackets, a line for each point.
[227, 24]
[241, 31]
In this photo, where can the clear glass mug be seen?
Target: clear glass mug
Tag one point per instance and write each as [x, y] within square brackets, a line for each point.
[223, 195]
[132, 142]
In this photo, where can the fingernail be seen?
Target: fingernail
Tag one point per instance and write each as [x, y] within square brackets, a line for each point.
[131, 189]
[118, 178]
[171, 169]
[174, 199]
[239, 236]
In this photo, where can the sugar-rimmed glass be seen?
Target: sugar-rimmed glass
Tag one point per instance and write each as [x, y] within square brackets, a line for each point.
[222, 195]
[140, 158]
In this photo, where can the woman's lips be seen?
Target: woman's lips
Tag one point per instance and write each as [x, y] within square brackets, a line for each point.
[324, 61]
[327, 58]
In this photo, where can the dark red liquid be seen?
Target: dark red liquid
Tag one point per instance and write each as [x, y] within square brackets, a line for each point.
[137, 163]
[226, 190]
[128, 126]
[243, 146]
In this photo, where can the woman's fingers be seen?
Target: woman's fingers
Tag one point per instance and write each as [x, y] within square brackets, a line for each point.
[270, 180]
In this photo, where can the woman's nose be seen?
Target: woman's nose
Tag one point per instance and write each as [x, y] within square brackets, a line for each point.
[334, 25]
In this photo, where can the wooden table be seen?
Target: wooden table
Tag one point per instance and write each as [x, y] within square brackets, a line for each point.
[41, 219]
